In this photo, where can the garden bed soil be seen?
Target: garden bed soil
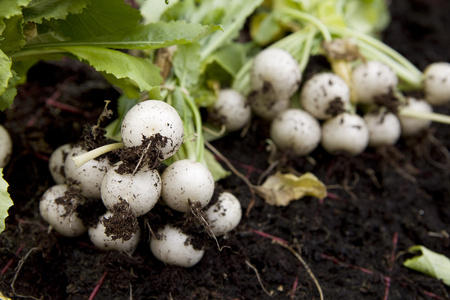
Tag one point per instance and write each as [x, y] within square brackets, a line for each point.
[353, 242]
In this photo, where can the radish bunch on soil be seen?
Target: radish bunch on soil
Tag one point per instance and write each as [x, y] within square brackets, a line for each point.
[130, 182]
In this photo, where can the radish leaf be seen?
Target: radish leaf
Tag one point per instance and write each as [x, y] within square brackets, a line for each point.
[430, 263]
[5, 201]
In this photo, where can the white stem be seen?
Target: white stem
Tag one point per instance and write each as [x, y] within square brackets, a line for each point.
[85, 157]
[435, 117]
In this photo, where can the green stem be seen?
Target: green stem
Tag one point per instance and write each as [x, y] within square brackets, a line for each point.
[435, 117]
[380, 49]
[308, 18]
[200, 146]
[84, 158]
[306, 51]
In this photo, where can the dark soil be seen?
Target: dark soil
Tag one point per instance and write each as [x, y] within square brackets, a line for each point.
[380, 203]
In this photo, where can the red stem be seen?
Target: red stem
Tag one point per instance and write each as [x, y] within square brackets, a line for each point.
[97, 287]
[9, 263]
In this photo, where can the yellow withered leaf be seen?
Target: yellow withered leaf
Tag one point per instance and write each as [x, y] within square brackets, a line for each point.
[280, 189]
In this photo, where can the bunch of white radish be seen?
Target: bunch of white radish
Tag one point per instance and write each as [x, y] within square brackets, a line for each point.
[327, 111]
[152, 131]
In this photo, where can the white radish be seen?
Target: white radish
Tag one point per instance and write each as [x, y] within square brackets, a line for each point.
[185, 183]
[56, 163]
[231, 109]
[384, 128]
[99, 237]
[371, 79]
[58, 209]
[149, 118]
[141, 190]
[297, 130]
[277, 70]
[171, 246]
[325, 95]
[266, 106]
[413, 126]
[437, 83]
[224, 215]
[6, 146]
[89, 176]
[346, 133]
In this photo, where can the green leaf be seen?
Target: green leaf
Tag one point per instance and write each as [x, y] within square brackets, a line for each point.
[142, 72]
[235, 16]
[230, 58]
[186, 64]
[430, 263]
[13, 37]
[216, 169]
[5, 201]
[7, 97]
[150, 36]
[5, 71]
[367, 16]
[101, 17]
[9, 8]
[37, 10]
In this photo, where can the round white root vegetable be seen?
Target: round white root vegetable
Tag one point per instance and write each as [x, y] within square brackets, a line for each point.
[436, 83]
[231, 109]
[297, 130]
[6, 146]
[56, 163]
[413, 126]
[345, 133]
[224, 215]
[325, 95]
[184, 182]
[266, 106]
[173, 247]
[141, 190]
[384, 128]
[146, 120]
[277, 70]
[99, 237]
[58, 210]
[89, 176]
[372, 79]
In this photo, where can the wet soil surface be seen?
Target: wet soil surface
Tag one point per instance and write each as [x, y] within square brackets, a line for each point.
[353, 242]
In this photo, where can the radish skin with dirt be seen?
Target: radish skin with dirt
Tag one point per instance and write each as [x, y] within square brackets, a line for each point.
[437, 83]
[171, 246]
[384, 128]
[345, 133]
[275, 69]
[414, 126]
[99, 237]
[6, 146]
[224, 215]
[231, 109]
[371, 79]
[60, 212]
[56, 163]
[186, 182]
[296, 130]
[141, 190]
[147, 120]
[89, 176]
[325, 95]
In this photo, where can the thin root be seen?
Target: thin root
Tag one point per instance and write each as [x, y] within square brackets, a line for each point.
[259, 278]
[19, 267]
